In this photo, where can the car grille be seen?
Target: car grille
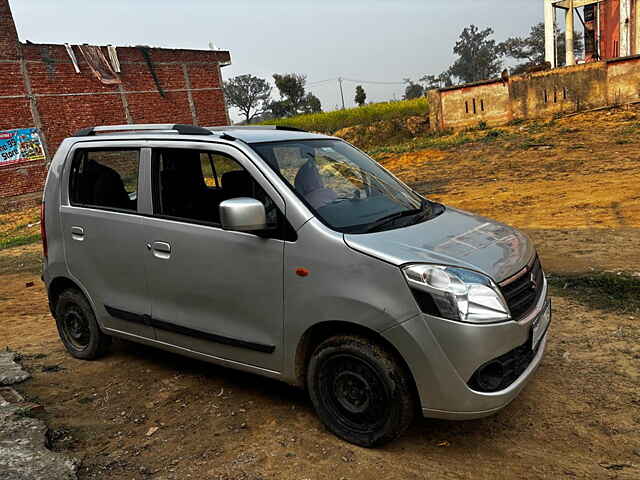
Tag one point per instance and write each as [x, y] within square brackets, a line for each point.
[523, 290]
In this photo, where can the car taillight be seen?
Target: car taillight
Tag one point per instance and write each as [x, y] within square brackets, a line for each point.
[43, 231]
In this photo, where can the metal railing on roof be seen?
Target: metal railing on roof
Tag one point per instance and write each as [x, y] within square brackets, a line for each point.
[256, 127]
[144, 127]
[180, 129]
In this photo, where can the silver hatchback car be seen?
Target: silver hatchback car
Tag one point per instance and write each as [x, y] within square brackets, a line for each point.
[297, 257]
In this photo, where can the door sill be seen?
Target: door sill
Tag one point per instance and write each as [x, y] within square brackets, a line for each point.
[194, 354]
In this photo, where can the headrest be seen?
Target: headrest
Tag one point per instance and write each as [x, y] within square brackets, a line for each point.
[182, 167]
[308, 179]
[237, 183]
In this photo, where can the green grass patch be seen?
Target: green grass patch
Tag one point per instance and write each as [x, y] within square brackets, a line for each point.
[330, 122]
[24, 412]
[18, 239]
[618, 292]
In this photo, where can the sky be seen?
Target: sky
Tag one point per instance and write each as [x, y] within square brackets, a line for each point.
[381, 41]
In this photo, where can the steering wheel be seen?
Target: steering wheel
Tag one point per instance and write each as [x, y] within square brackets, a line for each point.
[339, 200]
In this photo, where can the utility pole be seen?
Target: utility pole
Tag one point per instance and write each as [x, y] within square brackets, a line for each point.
[341, 92]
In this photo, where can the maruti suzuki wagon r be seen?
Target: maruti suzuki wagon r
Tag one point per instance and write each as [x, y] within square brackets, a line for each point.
[294, 256]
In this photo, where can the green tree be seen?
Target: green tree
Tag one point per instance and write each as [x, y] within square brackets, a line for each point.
[311, 104]
[251, 95]
[439, 81]
[361, 96]
[530, 51]
[412, 90]
[294, 99]
[478, 56]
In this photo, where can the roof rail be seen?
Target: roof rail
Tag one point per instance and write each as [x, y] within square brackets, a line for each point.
[256, 127]
[147, 127]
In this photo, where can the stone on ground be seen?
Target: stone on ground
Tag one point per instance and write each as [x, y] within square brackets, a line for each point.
[23, 446]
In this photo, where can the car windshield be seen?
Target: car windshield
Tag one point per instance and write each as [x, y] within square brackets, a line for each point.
[345, 188]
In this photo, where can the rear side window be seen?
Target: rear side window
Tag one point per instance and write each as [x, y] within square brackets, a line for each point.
[105, 179]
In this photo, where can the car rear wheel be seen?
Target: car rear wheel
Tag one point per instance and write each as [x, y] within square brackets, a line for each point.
[78, 328]
[362, 393]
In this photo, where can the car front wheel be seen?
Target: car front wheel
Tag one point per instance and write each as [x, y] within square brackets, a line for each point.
[361, 391]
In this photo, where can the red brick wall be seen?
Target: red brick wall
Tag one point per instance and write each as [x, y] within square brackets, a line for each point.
[8, 35]
[61, 101]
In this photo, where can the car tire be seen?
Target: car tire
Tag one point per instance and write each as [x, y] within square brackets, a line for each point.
[78, 328]
[360, 390]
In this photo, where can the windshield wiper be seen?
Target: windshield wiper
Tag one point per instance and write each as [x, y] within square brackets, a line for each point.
[378, 224]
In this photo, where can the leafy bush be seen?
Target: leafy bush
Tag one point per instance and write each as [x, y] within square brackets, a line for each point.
[331, 122]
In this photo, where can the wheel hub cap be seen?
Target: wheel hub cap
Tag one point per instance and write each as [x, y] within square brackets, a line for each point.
[352, 392]
[76, 328]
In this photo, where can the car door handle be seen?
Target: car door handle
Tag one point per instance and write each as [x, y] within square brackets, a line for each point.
[77, 233]
[161, 250]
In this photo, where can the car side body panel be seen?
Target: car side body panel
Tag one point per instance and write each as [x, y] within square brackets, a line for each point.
[342, 285]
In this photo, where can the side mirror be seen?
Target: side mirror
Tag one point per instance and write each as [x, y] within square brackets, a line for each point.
[243, 214]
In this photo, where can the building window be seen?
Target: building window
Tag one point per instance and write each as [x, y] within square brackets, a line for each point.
[555, 96]
[466, 106]
[565, 93]
[482, 105]
[474, 107]
[545, 96]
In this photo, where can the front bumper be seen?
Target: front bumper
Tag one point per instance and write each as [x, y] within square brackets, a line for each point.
[443, 356]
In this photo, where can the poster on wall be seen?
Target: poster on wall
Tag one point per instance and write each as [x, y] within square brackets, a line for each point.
[22, 145]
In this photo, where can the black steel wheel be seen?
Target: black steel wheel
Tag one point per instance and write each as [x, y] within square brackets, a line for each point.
[78, 328]
[360, 390]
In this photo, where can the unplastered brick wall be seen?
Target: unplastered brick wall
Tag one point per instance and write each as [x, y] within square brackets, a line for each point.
[542, 94]
[40, 88]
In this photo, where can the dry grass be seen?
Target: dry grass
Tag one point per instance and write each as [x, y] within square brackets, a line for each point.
[568, 173]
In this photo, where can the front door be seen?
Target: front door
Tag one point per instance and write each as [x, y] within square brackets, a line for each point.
[104, 235]
[213, 291]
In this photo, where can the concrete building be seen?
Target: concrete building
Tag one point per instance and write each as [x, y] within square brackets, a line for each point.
[55, 90]
[611, 28]
[558, 91]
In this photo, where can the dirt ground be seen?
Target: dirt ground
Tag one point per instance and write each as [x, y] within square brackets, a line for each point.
[578, 418]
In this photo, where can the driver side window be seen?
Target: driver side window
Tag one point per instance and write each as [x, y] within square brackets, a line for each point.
[189, 185]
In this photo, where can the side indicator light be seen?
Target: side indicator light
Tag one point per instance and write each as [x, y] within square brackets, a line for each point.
[302, 272]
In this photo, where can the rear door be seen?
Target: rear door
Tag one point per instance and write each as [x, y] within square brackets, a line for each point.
[214, 291]
[104, 234]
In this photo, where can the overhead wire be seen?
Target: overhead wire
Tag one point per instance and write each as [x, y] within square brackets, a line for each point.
[375, 82]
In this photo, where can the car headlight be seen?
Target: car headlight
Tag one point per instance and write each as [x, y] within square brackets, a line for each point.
[458, 293]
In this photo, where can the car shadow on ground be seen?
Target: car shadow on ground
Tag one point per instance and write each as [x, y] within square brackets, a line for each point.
[269, 393]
